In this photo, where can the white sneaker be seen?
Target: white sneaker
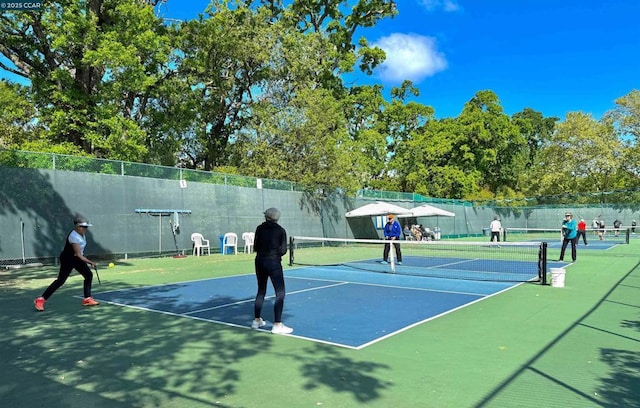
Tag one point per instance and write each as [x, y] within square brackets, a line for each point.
[255, 324]
[280, 328]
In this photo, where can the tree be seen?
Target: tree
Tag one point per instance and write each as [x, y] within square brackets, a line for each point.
[328, 18]
[363, 108]
[92, 66]
[579, 162]
[626, 121]
[306, 143]
[401, 121]
[427, 160]
[535, 129]
[16, 123]
[626, 114]
[488, 142]
[226, 61]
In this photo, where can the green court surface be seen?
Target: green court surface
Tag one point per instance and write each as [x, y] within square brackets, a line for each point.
[531, 346]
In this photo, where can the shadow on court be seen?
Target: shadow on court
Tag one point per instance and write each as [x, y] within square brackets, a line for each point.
[110, 356]
[604, 341]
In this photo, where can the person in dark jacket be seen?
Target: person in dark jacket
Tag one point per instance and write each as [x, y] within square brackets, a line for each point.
[392, 232]
[72, 257]
[270, 245]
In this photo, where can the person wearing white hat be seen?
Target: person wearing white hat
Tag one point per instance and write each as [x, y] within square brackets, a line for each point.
[72, 257]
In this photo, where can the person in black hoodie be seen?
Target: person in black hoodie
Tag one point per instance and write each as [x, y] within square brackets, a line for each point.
[270, 245]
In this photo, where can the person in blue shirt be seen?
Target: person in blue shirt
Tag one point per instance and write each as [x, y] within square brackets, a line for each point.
[570, 235]
[392, 231]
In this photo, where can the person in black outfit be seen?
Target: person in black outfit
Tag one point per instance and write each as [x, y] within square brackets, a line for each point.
[270, 245]
[617, 224]
[72, 257]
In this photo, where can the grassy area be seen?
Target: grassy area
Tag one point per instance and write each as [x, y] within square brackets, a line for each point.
[533, 346]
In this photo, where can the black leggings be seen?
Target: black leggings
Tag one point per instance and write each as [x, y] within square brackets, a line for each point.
[269, 268]
[66, 266]
[573, 241]
[583, 234]
[387, 249]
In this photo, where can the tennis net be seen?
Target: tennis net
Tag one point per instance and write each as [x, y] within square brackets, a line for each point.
[614, 235]
[511, 262]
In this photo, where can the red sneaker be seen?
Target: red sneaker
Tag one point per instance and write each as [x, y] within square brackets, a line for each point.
[39, 303]
[89, 302]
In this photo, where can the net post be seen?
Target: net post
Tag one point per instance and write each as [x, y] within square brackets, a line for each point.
[392, 256]
[542, 270]
[291, 251]
[627, 235]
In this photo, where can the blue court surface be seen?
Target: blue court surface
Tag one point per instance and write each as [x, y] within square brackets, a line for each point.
[593, 243]
[333, 305]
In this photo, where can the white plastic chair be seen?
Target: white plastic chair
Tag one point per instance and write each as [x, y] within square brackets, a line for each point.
[230, 240]
[248, 237]
[198, 243]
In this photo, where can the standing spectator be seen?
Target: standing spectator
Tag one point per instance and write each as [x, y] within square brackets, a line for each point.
[270, 245]
[570, 235]
[496, 229]
[633, 226]
[72, 257]
[582, 231]
[616, 224]
[392, 232]
[595, 225]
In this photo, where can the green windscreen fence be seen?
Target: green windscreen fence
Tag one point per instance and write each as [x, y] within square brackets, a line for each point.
[146, 210]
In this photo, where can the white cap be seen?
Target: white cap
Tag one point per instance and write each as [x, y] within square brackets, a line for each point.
[81, 221]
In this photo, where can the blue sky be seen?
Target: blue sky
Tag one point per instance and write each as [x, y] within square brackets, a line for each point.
[554, 56]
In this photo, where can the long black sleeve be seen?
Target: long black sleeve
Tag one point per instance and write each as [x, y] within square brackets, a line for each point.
[270, 240]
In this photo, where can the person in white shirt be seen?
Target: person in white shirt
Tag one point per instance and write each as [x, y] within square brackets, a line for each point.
[72, 257]
[496, 228]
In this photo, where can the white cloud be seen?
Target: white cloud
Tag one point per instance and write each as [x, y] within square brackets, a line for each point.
[446, 5]
[410, 56]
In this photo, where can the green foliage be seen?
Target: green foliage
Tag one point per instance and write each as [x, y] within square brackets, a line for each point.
[535, 129]
[91, 65]
[14, 158]
[581, 156]
[226, 57]
[16, 123]
[306, 143]
[255, 89]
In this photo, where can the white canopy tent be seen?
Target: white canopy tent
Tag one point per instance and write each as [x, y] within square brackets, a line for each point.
[426, 210]
[378, 208]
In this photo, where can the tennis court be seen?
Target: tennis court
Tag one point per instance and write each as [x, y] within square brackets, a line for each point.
[529, 346]
[344, 305]
[599, 240]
